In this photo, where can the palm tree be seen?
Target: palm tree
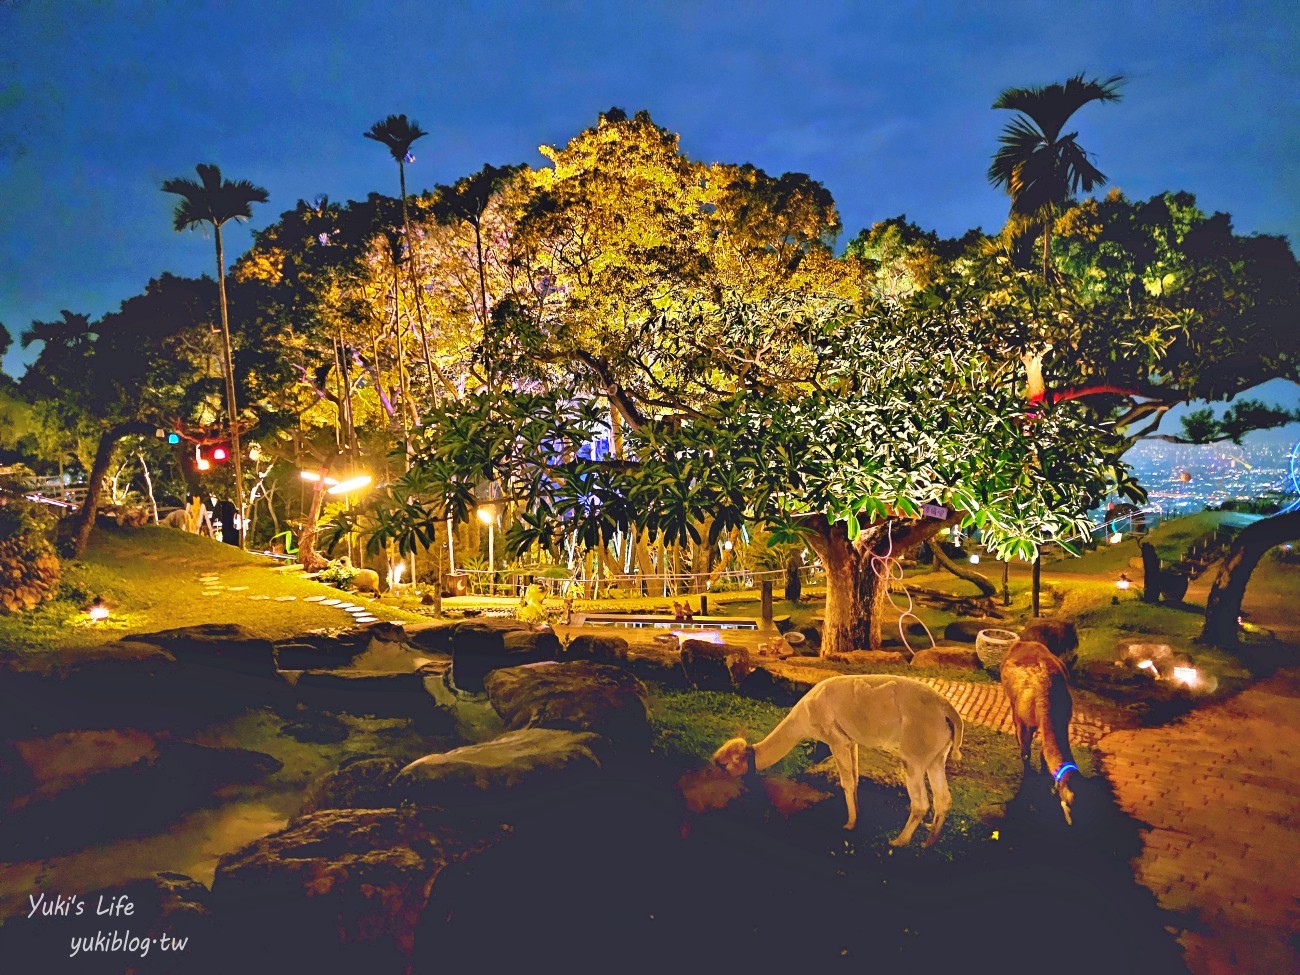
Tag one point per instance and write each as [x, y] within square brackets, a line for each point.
[1039, 167]
[215, 201]
[399, 133]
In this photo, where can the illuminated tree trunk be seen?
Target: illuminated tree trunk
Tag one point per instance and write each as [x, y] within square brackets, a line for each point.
[311, 560]
[84, 520]
[232, 410]
[1223, 607]
[857, 587]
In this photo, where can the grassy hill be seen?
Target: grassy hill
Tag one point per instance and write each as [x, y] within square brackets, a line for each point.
[150, 577]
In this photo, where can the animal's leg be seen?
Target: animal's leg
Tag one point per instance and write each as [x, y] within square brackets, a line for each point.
[938, 776]
[914, 778]
[845, 754]
[1024, 738]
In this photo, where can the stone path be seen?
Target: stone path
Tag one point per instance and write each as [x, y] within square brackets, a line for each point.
[1218, 789]
[987, 704]
[211, 583]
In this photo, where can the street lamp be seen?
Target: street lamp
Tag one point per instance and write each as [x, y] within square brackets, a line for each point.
[487, 515]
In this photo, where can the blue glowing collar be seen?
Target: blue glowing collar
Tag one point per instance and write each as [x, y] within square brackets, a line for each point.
[1059, 774]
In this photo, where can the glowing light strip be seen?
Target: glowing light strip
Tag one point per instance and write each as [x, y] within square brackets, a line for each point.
[1060, 772]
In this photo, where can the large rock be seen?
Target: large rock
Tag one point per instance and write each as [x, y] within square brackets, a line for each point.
[480, 646]
[225, 646]
[578, 696]
[384, 695]
[361, 783]
[715, 666]
[518, 766]
[137, 799]
[340, 890]
[957, 658]
[598, 646]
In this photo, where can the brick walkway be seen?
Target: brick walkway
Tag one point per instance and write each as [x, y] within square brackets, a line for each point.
[1218, 789]
[987, 704]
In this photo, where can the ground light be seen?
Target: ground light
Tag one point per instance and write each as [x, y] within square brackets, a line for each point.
[97, 610]
[1122, 582]
[487, 515]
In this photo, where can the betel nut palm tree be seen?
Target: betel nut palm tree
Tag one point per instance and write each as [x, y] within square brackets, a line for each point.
[399, 133]
[216, 201]
[1039, 167]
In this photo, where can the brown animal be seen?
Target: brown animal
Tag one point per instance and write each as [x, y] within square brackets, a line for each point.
[1059, 636]
[1035, 683]
[874, 711]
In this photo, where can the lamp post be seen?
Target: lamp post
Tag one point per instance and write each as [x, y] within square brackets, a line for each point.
[487, 515]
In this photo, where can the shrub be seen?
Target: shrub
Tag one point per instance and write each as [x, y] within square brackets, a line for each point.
[338, 574]
[29, 566]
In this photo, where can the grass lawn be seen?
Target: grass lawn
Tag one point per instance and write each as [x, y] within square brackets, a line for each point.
[1171, 539]
[150, 578]
[690, 725]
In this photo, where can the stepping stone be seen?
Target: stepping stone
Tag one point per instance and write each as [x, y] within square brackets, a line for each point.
[365, 619]
[355, 610]
[260, 597]
[211, 592]
[236, 588]
[330, 602]
[285, 599]
[312, 599]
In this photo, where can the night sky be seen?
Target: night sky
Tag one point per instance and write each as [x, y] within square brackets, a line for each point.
[886, 103]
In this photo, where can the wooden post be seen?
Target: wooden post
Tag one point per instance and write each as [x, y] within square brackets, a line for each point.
[1036, 604]
[704, 604]
[767, 605]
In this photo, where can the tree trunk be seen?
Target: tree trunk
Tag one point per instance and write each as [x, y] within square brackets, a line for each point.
[148, 483]
[232, 410]
[964, 572]
[307, 555]
[855, 595]
[1223, 606]
[84, 521]
[1151, 575]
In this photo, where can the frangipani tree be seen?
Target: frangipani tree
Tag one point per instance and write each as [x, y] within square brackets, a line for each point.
[896, 409]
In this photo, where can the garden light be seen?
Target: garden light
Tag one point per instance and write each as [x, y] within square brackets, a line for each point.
[974, 558]
[1187, 675]
[310, 476]
[220, 453]
[203, 463]
[97, 610]
[487, 515]
[353, 483]
[1116, 538]
[173, 438]
[1122, 582]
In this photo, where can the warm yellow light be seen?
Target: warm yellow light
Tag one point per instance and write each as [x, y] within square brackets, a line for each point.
[487, 515]
[354, 483]
[97, 610]
[1187, 675]
[974, 558]
[203, 463]
[309, 475]
[1116, 538]
[254, 453]
[1122, 582]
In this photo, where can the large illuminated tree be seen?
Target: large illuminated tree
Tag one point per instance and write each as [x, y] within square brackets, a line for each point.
[216, 201]
[880, 421]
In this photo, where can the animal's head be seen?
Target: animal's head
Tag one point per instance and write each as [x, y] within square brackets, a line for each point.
[735, 757]
[1064, 790]
[1059, 636]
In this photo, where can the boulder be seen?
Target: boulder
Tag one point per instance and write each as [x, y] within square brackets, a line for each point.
[578, 696]
[598, 647]
[516, 767]
[340, 890]
[382, 694]
[359, 783]
[137, 799]
[435, 638]
[480, 646]
[964, 631]
[225, 646]
[956, 658]
[714, 666]
[861, 658]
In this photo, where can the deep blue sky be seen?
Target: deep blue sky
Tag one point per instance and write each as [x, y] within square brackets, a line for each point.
[885, 103]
